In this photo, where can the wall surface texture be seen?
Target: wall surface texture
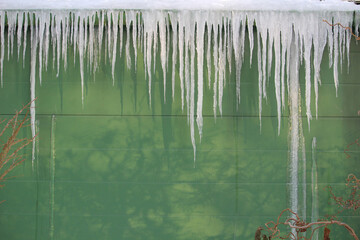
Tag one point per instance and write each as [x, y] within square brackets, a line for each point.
[117, 168]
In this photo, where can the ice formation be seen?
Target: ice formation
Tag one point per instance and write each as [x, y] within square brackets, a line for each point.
[285, 39]
[314, 188]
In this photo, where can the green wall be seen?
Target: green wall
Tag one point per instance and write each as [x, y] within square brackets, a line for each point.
[117, 168]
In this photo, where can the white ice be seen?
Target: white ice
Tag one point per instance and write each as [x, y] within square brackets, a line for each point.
[285, 5]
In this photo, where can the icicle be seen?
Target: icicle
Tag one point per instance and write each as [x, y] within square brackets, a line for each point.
[42, 21]
[181, 58]
[80, 39]
[345, 36]
[282, 80]
[91, 42]
[338, 41]
[242, 50]
[190, 39]
[47, 41]
[72, 27]
[200, 21]
[294, 121]
[286, 39]
[19, 32]
[216, 26]
[341, 47]
[288, 62]
[115, 26]
[76, 24]
[135, 36]
[155, 46]
[11, 20]
[348, 42]
[121, 31]
[86, 18]
[262, 28]
[149, 35]
[237, 22]
[307, 38]
[65, 36]
[229, 43]
[330, 41]
[167, 27]
[260, 79]
[314, 188]
[53, 39]
[221, 63]
[2, 37]
[319, 39]
[336, 57]
[269, 53]
[58, 23]
[208, 53]
[140, 28]
[41, 26]
[108, 30]
[163, 54]
[174, 22]
[101, 31]
[356, 22]
[277, 76]
[25, 35]
[189, 32]
[129, 15]
[34, 43]
[250, 26]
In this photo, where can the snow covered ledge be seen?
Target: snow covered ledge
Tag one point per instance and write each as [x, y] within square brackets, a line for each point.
[244, 5]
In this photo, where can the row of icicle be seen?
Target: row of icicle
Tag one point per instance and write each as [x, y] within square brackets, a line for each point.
[189, 33]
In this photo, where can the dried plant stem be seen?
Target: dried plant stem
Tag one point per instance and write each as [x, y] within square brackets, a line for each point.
[301, 226]
[9, 155]
[353, 201]
[347, 28]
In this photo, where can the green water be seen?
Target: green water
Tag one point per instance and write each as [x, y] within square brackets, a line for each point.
[117, 168]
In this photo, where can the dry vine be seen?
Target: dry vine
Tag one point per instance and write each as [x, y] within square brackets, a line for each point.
[347, 149]
[347, 28]
[10, 156]
[300, 226]
[353, 202]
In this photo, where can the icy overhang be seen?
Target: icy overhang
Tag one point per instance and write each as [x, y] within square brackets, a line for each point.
[244, 5]
[286, 33]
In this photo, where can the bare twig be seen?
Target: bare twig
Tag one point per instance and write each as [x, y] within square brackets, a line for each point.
[347, 28]
[300, 226]
[12, 145]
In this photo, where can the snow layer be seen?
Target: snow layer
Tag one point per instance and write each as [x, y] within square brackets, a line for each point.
[245, 5]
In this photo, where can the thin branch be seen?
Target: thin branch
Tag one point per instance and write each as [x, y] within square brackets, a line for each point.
[295, 222]
[9, 155]
[347, 28]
